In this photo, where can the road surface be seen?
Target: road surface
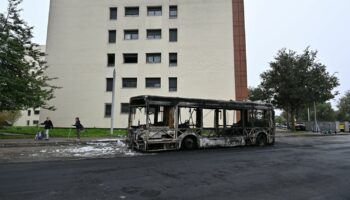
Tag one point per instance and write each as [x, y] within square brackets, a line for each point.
[295, 168]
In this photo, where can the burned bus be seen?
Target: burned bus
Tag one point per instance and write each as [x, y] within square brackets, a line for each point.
[168, 123]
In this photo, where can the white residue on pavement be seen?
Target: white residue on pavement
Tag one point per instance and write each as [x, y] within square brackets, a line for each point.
[90, 150]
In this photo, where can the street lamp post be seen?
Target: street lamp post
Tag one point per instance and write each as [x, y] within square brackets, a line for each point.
[113, 102]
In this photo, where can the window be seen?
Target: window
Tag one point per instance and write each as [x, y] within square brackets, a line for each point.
[129, 83]
[154, 11]
[130, 57]
[109, 84]
[125, 108]
[35, 122]
[113, 13]
[28, 122]
[131, 34]
[172, 12]
[153, 57]
[173, 35]
[108, 110]
[29, 112]
[112, 36]
[110, 59]
[172, 84]
[152, 82]
[154, 34]
[131, 11]
[172, 59]
[36, 112]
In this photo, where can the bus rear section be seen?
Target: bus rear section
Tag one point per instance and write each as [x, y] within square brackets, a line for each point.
[170, 123]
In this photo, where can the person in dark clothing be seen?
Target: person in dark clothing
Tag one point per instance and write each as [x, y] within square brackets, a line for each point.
[47, 125]
[78, 127]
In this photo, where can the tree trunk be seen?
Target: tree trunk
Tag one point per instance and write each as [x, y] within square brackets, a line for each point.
[292, 116]
[287, 111]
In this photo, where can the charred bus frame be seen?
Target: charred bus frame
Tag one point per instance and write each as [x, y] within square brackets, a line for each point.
[209, 123]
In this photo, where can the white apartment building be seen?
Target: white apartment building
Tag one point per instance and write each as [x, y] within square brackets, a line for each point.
[184, 48]
[29, 117]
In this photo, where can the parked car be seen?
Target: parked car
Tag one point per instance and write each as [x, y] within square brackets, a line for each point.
[281, 126]
[300, 127]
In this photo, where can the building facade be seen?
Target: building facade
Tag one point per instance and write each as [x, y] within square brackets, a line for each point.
[29, 117]
[178, 48]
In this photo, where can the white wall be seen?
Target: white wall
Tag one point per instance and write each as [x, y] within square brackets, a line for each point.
[77, 48]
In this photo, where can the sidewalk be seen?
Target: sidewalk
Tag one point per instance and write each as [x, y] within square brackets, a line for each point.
[54, 142]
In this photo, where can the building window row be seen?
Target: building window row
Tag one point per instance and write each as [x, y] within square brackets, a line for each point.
[151, 58]
[153, 82]
[35, 122]
[124, 109]
[36, 112]
[132, 82]
[152, 34]
[150, 83]
[134, 11]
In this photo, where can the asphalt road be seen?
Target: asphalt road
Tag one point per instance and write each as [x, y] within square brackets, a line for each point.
[295, 168]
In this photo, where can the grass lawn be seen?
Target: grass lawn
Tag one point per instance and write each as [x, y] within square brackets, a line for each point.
[29, 132]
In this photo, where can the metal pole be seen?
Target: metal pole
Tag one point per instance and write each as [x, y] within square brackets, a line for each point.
[113, 102]
[315, 115]
[308, 114]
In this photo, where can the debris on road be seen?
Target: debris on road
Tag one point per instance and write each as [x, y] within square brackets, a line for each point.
[98, 149]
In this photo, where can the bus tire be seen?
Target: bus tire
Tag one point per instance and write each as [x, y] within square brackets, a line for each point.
[189, 143]
[261, 140]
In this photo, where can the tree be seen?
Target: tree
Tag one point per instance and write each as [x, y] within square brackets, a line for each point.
[23, 83]
[280, 119]
[344, 108]
[258, 94]
[325, 113]
[296, 81]
[9, 117]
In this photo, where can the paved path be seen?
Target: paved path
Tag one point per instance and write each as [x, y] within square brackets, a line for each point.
[295, 168]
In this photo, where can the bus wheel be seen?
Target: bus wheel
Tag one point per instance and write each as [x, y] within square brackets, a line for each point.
[189, 143]
[261, 140]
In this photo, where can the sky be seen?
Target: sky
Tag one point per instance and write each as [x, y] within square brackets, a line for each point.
[270, 25]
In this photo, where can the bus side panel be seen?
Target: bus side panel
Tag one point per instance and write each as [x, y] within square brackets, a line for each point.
[206, 142]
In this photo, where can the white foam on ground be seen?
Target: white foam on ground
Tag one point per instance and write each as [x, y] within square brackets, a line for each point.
[91, 150]
[100, 149]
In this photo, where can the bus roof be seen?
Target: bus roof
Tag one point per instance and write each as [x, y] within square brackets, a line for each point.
[197, 103]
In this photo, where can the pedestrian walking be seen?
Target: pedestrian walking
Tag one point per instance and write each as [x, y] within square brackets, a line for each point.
[79, 127]
[47, 126]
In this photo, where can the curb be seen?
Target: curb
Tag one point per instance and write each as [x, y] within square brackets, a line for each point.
[315, 135]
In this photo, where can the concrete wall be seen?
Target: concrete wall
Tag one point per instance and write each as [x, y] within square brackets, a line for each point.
[77, 48]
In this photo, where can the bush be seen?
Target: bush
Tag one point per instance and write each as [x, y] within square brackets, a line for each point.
[8, 118]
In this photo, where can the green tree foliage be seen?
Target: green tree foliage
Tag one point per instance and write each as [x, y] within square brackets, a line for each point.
[344, 108]
[296, 81]
[280, 119]
[23, 83]
[325, 113]
[258, 94]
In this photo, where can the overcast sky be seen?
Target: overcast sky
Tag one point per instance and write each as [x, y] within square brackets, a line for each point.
[270, 25]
